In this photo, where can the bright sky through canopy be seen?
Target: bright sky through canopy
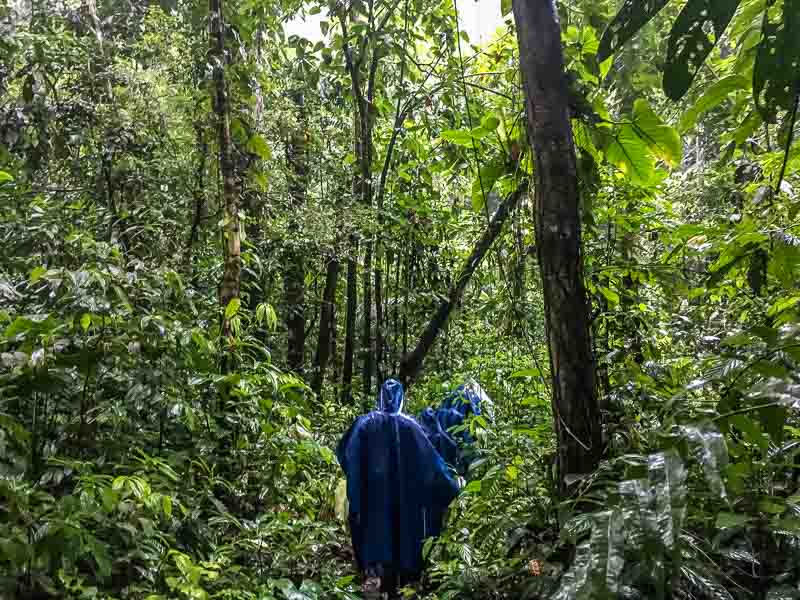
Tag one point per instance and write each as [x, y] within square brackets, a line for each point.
[479, 18]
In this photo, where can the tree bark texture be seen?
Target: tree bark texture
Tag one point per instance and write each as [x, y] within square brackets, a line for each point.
[352, 279]
[363, 101]
[232, 269]
[367, 349]
[327, 324]
[295, 272]
[199, 197]
[411, 364]
[365, 184]
[350, 321]
[558, 237]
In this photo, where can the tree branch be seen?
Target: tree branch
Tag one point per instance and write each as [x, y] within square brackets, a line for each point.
[411, 364]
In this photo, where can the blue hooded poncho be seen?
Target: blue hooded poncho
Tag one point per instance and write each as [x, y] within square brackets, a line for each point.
[455, 408]
[465, 399]
[441, 440]
[398, 486]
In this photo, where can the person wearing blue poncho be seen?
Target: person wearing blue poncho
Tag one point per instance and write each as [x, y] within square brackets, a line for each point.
[447, 449]
[398, 489]
[455, 447]
[441, 440]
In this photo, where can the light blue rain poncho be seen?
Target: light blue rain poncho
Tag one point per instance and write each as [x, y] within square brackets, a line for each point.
[398, 486]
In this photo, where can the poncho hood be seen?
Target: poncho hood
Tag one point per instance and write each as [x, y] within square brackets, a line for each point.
[390, 397]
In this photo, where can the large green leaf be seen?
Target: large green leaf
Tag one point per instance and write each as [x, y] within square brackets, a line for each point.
[633, 15]
[747, 127]
[784, 264]
[773, 419]
[749, 14]
[460, 137]
[489, 174]
[630, 154]
[698, 28]
[726, 520]
[783, 304]
[490, 122]
[662, 140]
[712, 97]
[258, 145]
[582, 136]
[776, 75]
[232, 308]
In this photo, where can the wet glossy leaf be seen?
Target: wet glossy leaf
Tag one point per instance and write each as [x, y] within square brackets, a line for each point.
[631, 156]
[696, 31]
[776, 75]
[712, 97]
[633, 15]
[662, 140]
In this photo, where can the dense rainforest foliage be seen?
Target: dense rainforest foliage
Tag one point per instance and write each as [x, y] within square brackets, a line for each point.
[217, 240]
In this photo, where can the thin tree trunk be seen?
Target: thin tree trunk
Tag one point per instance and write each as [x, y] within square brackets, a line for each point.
[410, 268]
[368, 353]
[336, 358]
[558, 235]
[352, 268]
[380, 308]
[364, 110]
[232, 269]
[327, 325]
[630, 293]
[367, 343]
[294, 274]
[395, 325]
[97, 26]
[350, 322]
[412, 362]
[199, 198]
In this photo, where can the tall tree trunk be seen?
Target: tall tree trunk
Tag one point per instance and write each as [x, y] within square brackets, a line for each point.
[91, 6]
[380, 306]
[295, 273]
[395, 325]
[363, 101]
[199, 197]
[367, 349]
[232, 269]
[411, 265]
[558, 236]
[412, 362]
[630, 292]
[350, 321]
[327, 325]
[352, 272]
